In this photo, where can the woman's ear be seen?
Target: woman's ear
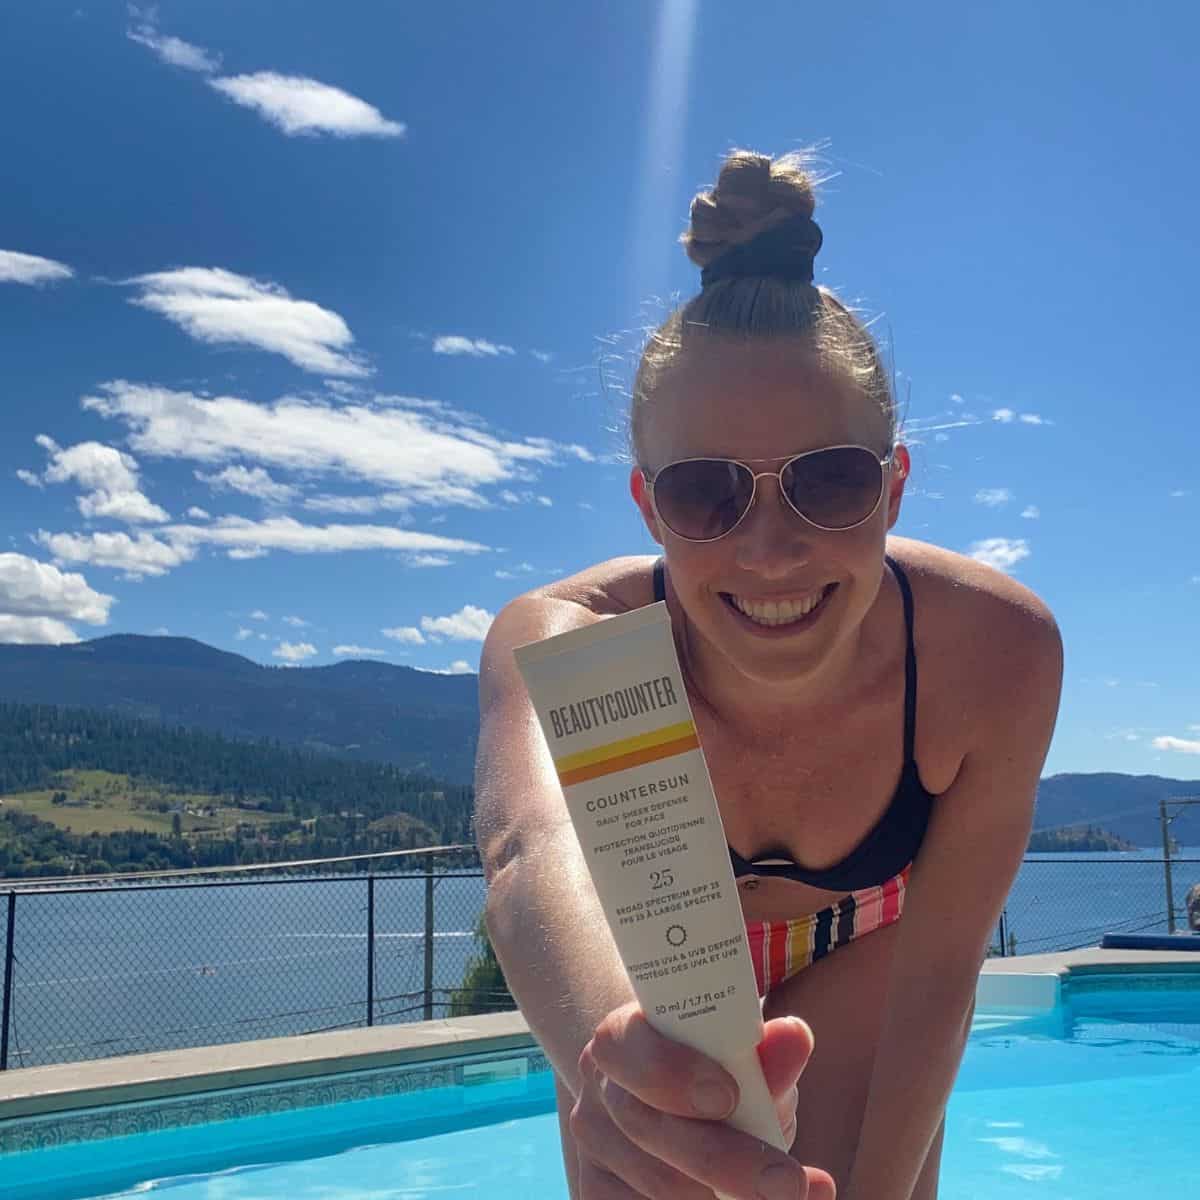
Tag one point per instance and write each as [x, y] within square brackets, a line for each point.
[897, 477]
[641, 497]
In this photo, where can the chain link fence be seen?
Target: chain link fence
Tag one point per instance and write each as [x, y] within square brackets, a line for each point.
[1068, 902]
[201, 958]
[136, 964]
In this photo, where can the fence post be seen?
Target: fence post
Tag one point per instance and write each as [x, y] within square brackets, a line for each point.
[370, 948]
[1001, 932]
[1166, 840]
[429, 946]
[8, 970]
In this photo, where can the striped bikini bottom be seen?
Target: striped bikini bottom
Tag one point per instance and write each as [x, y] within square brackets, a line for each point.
[782, 948]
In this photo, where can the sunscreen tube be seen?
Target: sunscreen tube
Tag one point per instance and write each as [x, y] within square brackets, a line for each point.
[616, 718]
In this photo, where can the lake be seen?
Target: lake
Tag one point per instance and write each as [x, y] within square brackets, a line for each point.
[133, 969]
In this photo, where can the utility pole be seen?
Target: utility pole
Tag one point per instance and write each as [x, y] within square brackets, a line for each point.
[1165, 821]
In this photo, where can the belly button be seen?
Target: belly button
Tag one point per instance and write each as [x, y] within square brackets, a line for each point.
[750, 884]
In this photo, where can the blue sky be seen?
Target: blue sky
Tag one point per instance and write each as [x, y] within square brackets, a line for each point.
[314, 331]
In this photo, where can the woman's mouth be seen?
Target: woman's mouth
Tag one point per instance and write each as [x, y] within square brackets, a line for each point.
[787, 613]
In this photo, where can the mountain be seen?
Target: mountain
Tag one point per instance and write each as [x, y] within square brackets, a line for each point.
[367, 711]
[1126, 805]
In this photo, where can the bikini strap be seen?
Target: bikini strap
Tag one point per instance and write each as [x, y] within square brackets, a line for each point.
[910, 664]
[660, 585]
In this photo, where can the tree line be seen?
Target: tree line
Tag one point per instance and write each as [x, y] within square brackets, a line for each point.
[319, 806]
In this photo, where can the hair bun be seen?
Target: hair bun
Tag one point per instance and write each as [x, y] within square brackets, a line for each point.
[753, 193]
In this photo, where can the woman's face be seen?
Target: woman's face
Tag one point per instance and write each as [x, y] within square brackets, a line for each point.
[767, 400]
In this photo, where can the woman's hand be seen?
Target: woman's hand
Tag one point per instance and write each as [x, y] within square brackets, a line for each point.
[648, 1118]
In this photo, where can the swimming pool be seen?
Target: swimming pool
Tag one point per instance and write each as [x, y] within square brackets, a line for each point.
[1092, 1097]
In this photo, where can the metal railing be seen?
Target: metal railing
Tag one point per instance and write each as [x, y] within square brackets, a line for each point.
[137, 963]
[1070, 901]
[130, 964]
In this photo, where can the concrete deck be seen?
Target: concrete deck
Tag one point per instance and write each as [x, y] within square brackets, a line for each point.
[1096, 961]
[34, 1091]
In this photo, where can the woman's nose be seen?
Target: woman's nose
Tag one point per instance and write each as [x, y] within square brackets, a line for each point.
[773, 539]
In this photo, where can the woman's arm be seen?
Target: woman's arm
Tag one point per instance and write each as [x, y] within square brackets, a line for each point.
[972, 851]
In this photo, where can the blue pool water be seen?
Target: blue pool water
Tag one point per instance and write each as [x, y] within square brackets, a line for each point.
[1094, 1100]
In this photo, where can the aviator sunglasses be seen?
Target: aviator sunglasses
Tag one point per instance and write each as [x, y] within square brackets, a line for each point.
[834, 488]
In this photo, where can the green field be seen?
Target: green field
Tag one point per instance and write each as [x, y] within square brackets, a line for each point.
[102, 802]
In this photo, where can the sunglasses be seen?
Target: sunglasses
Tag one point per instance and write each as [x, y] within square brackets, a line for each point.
[834, 488]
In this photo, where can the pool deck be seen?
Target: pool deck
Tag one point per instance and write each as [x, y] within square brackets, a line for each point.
[41, 1091]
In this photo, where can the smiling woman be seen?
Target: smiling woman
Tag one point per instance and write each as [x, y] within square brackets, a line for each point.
[879, 811]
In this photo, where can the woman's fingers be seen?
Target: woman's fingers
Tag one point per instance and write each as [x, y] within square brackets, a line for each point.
[712, 1153]
[612, 1167]
[664, 1074]
[784, 1052]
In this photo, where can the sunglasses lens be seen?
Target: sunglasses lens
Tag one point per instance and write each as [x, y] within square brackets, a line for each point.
[704, 498]
[835, 488]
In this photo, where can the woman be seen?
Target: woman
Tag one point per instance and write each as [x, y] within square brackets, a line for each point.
[876, 813]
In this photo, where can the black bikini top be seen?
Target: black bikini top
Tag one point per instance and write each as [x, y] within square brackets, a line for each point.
[894, 841]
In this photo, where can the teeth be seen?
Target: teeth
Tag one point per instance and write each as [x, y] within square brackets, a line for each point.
[782, 612]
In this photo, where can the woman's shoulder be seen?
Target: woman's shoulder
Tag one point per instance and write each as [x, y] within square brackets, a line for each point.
[987, 636]
[593, 594]
[964, 592]
[606, 589]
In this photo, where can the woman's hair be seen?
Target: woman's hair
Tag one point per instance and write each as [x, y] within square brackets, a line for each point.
[755, 193]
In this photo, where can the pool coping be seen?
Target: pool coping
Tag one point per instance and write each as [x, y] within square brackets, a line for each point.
[72, 1087]
[168, 1074]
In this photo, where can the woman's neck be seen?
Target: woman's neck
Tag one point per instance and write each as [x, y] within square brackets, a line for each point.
[754, 709]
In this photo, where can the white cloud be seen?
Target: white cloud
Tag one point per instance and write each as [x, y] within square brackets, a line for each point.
[941, 437]
[408, 635]
[1003, 415]
[198, 514]
[460, 666]
[427, 560]
[998, 552]
[469, 624]
[1033, 419]
[1179, 745]
[141, 555]
[29, 477]
[357, 505]
[1194, 729]
[35, 631]
[423, 455]
[108, 477]
[243, 633]
[475, 347]
[522, 568]
[16, 267]
[358, 652]
[259, 615]
[298, 105]
[543, 356]
[294, 651]
[1031, 512]
[993, 497]
[955, 398]
[250, 481]
[216, 306]
[1179, 493]
[175, 51]
[296, 622]
[241, 538]
[29, 588]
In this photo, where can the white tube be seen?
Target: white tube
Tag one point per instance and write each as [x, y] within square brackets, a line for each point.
[616, 718]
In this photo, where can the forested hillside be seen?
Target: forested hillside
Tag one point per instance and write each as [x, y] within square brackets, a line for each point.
[84, 791]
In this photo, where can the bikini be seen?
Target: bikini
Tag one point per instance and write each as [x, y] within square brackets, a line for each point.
[874, 874]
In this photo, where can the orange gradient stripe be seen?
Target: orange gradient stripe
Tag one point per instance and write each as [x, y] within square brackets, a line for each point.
[635, 758]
